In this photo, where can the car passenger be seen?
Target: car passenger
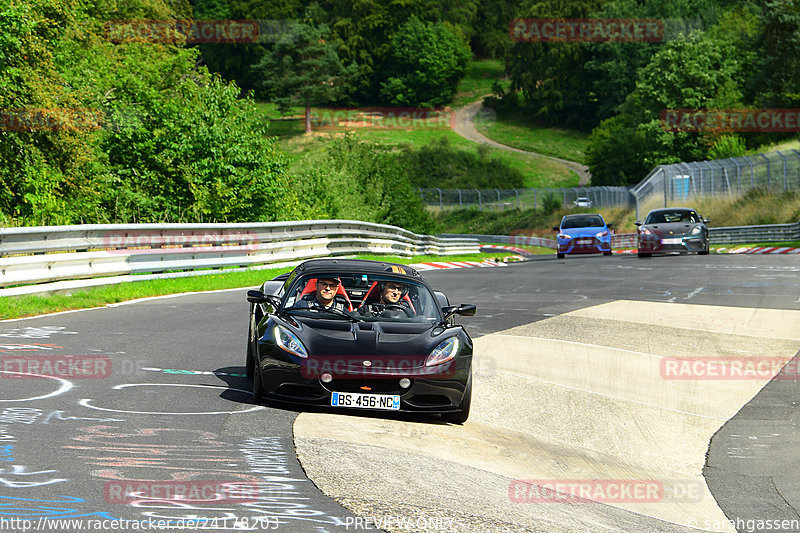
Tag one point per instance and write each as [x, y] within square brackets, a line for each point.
[390, 302]
[324, 296]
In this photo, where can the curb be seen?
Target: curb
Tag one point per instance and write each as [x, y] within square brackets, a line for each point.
[441, 265]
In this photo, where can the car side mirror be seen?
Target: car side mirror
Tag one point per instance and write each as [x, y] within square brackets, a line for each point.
[609, 226]
[463, 310]
[706, 220]
[258, 297]
[556, 228]
[637, 223]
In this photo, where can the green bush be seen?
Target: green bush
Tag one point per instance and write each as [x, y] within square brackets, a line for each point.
[360, 181]
[424, 65]
[439, 164]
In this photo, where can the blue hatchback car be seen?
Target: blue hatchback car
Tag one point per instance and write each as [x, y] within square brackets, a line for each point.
[583, 234]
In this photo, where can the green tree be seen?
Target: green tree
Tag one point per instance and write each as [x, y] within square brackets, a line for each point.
[779, 76]
[556, 87]
[613, 65]
[304, 69]
[698, 72]
[424, 65]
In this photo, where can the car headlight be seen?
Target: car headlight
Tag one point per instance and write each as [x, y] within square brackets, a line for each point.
[601, 234]
[646, 231]
[446, 350]
[697, 230]
[566, 236]
[288, 341]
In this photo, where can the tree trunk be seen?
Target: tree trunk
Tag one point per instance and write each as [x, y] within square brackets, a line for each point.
[308, 119]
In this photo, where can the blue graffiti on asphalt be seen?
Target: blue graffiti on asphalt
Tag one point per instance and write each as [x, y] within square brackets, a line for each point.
[7, 452]
[28, 508]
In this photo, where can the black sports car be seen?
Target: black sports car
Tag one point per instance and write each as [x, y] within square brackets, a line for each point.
[673, 229]
[325, 335]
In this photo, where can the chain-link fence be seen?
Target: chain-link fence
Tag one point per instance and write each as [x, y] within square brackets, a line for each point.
[665, 185]
[499, 199]
[672, 184]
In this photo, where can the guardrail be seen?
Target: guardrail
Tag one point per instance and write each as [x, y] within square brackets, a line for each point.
[721, 235]
[48, 254]
[619, 240]
[753, 234]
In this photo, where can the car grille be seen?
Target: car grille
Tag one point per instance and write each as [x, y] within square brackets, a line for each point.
[375, 386]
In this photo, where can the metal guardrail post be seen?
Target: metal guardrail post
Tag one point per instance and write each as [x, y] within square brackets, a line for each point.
[785, 181]
[738, 175]
[460, 205]
[480, 203]
[768, 170]
[752, 170]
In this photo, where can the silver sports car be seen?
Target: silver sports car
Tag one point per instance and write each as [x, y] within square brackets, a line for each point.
[673, 229]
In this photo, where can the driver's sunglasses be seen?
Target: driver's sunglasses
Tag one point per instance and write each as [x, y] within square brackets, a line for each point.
[324, 284]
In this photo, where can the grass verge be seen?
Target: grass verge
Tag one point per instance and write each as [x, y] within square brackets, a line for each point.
[32, 305]
[512, 129]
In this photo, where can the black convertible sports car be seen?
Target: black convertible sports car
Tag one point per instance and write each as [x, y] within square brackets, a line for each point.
[322, 335]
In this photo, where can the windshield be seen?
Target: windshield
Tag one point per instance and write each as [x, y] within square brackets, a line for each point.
[664, 217]
[582, 222]
[363, 297]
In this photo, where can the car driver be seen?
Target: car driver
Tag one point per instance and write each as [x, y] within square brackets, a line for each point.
[324, 296]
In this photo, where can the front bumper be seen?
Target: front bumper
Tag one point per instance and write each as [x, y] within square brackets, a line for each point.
[584, 245]
[686, 244]
[436, 389]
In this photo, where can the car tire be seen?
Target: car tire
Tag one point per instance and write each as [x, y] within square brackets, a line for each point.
[559, 256]
[250, 364]
[258, 386]
[643, 254]
[607, 253]
[466, 400]
[705, 252]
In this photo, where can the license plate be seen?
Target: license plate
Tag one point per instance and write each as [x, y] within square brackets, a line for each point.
[677, 240]
[365, 401]
[584, 241]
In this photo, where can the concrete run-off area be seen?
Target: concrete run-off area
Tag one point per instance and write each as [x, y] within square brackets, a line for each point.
[583, 407]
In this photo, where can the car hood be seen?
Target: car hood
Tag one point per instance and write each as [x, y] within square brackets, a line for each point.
[412, 342]
[672, 228]
[583, 232]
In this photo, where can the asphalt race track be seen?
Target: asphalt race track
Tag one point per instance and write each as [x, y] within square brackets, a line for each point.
[150, 415]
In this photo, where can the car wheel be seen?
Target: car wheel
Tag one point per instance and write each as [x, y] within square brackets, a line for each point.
[258, 386]
[607, 253]
[466, 400]
[560, 256]
[643, 254]
[705, 252]
[250, 362]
